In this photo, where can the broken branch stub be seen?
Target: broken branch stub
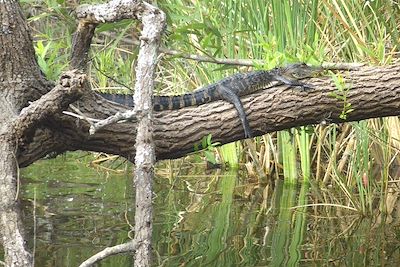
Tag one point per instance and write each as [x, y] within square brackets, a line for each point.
[67, 91]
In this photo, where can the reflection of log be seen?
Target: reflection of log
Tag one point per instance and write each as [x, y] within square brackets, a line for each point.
[11, 229]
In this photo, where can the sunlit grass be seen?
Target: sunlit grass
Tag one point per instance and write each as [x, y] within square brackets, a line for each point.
[346, 156]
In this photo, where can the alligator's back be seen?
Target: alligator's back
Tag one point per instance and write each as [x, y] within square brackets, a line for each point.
[229, 89]
[239, 84]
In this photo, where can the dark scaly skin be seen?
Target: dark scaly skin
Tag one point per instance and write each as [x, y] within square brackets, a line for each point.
[229, 89]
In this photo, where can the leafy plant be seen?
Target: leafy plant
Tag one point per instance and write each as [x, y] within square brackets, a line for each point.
[49, 60]
[341, 94]
[208, 148]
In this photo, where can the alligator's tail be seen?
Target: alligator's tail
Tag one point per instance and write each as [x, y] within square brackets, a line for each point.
[196, 98]
[126, 100]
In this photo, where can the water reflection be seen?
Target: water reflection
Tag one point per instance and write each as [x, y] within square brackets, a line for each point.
[218, 219]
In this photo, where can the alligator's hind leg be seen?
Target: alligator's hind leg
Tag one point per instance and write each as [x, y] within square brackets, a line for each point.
[227, 95]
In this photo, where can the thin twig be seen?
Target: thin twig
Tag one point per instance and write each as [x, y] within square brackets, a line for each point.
[129, 115]
[342, 66]
[80, 117]
[230, 61]
[199, 58]
[112, 79]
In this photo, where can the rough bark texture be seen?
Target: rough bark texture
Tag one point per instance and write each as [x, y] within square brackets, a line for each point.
[19, 75]
[12, 232]
[20, 82]
[375, 93]
[153, 21]
[153, 24]
[80, 45]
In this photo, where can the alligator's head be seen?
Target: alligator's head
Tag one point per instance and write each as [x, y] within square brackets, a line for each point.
[300, 70]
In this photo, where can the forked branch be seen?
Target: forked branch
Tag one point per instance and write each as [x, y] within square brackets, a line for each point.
[153, 21]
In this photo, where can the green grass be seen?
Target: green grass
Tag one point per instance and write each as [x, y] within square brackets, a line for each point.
[278, 32]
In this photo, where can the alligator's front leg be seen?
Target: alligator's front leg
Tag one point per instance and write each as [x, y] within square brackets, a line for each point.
[229, 96]
[292, 82]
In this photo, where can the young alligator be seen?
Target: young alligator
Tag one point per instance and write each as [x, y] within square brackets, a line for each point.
[229, 89]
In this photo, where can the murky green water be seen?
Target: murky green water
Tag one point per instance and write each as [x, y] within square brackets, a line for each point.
[221, 218]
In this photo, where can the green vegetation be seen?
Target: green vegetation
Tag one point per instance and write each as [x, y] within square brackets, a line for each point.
[349, 168]
[341, 95]
[277, 32]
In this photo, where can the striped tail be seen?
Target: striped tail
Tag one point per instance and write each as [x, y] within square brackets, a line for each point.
[196, 98]
[176, 102]
[126, 100]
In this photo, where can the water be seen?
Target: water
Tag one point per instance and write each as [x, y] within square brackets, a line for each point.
[201, 218]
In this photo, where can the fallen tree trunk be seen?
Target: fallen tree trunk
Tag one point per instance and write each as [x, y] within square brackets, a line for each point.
[375, 92]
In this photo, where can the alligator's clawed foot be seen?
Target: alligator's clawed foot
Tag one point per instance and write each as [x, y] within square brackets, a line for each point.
[248, 133]
[306, 87]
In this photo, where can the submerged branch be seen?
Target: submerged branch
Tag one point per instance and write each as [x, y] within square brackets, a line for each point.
[110, 251]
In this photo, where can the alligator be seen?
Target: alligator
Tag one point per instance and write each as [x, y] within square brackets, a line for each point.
[229, 89]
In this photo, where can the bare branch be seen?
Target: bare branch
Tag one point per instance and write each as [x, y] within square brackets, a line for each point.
[375, 93]
[69, 89]
[110, 12]
[90, 16]
[110, 251]
[80, 115]
[230, 61]
[81, 41]
[153, 21]
[130, 115]
[198, 58]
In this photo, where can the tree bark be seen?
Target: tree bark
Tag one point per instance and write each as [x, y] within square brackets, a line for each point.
[32, 124]
[12, 232]
[153, 21]
[20, 81]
